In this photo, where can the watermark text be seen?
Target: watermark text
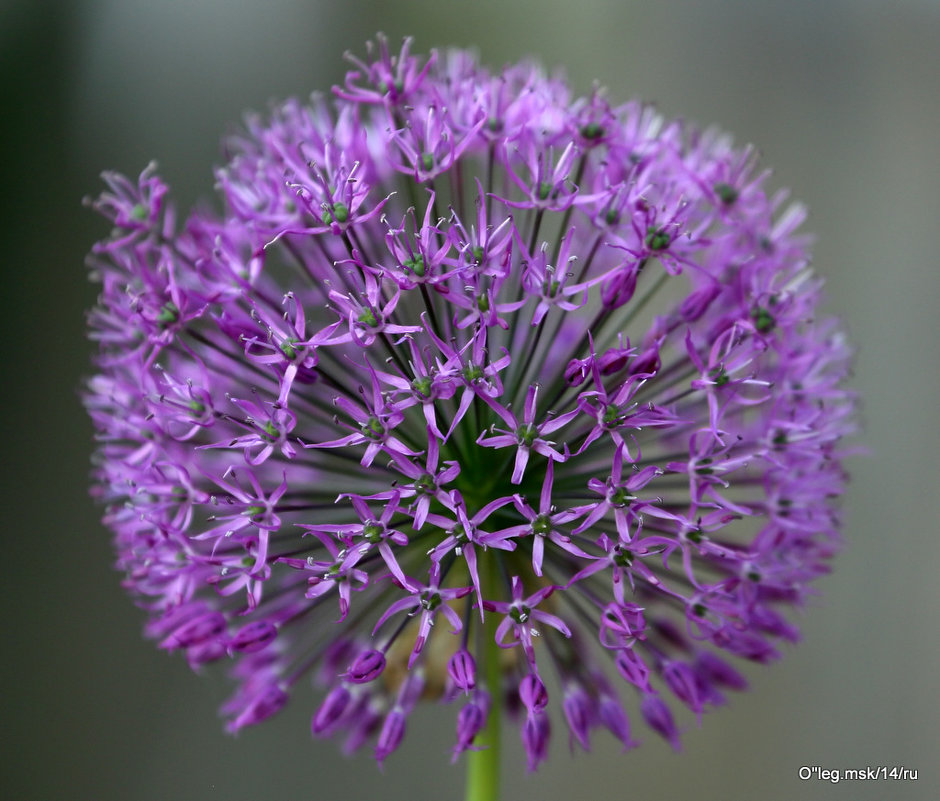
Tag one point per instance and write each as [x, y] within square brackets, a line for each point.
[866, 774]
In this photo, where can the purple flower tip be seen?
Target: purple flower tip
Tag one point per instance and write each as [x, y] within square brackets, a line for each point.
[466, 363]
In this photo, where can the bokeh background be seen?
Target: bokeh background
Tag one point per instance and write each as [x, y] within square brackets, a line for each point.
[842, 98]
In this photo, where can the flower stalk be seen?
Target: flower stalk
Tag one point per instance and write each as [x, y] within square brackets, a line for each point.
[484, 762]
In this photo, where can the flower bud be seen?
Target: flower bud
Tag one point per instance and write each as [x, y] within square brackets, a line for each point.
[462, 670]
[696, 304]
[718, 671]
[366, 667]
[253, 637]
[617, 290]
[613, 360]
[577, 371]
[658, 717]
[393, 730]
[470, 722]
[613, 716]
[633, 668]
[578, 713]
[647, 363]
[260, 706]
[532, 693]
[196, 631]
[536, 730]
[331, 710]
[681, 679]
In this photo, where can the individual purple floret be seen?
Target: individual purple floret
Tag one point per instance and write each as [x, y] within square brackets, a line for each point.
[473, 391]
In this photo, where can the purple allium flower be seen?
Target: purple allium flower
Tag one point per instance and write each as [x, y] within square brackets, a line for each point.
[468, 366]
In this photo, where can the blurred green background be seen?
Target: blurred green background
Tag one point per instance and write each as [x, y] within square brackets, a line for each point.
[841, 97]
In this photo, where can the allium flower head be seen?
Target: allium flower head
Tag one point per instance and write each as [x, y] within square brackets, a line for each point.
[465, 366]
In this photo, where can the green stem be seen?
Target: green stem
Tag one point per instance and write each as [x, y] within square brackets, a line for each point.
[483, 765]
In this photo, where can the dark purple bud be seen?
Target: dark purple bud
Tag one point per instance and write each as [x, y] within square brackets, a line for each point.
[253, 637]
[578, 713]
[470, 723]
[614, 717]
[659, 718]
[338, 654]
[744, 644]
[696, 304]
[618, 289]
[536, 731]
[577, 372]
[647, 363]
[776, 625]
[366, 667]
[411, 690]
[196, 631]
[331, 710]
[633, 669]
[717, 671]
[174, 619]
[261, 706]
[681, 679]
[613, 360]
[670, 632]
[393, 730]
[205, 652]
[363, 722]
[463, 670]
[533, 694]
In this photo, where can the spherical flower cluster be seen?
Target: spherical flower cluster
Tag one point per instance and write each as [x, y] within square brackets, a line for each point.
[468, 367]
